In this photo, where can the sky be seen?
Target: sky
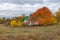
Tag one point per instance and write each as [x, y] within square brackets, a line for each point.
[10, 8]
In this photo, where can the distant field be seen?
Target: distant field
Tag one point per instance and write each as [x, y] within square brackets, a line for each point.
[30, 33]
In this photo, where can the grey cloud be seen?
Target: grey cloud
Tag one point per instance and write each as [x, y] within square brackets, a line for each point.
[21, 10]
[29, 1]
[12, 13]
[21, 1]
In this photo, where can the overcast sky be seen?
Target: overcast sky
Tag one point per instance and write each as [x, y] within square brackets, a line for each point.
[17, 7]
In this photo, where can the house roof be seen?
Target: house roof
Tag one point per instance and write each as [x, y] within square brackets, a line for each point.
[27, 18]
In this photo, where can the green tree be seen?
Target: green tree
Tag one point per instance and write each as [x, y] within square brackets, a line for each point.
[58, 16]
[3, 19]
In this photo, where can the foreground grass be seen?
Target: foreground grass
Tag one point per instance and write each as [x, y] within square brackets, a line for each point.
[30, 33]
[41, 29]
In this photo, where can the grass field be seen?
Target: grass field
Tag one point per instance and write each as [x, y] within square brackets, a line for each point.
[30, 33]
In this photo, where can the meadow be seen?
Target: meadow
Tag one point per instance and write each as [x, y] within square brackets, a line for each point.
[51, 32]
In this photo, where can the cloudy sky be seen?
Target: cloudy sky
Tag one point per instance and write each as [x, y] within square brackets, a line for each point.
[17, 7]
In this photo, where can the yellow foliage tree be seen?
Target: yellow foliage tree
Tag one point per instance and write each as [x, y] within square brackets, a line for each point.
[58, 16]
[19, 24]
[13, 23]
[53, 20]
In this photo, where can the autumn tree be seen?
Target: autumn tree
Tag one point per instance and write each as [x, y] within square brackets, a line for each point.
[58, 16]
[43, 16]
[3, 19]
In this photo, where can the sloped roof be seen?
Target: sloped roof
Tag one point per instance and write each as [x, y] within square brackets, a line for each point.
[27, 18]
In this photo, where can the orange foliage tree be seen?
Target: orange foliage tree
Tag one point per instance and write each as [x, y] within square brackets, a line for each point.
[43, 15]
